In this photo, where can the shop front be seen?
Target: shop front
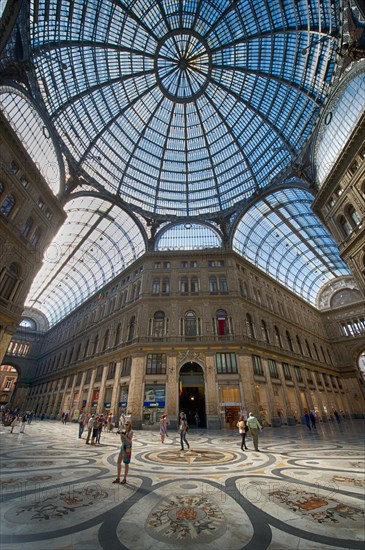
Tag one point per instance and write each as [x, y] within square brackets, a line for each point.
[153, 405]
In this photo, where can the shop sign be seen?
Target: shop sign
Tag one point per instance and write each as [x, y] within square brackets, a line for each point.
[107, 405]
[155, 404]
[122, 404]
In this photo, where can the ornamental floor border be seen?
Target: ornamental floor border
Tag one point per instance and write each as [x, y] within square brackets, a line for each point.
[303, 490]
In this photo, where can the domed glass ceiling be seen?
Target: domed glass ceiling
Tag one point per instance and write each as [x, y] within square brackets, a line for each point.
[183, 108]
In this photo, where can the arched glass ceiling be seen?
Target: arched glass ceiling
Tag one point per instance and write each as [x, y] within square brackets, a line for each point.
[183, 108]
[188, 237]
[281, 235]
[340, 120]
[33, 133]
[97, 241]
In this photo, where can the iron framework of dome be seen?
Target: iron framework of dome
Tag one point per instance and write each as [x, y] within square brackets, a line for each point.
[185, 118]
[183, 108]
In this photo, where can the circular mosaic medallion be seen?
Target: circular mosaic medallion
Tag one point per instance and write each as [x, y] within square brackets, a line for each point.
[197, 457]
[180, 518]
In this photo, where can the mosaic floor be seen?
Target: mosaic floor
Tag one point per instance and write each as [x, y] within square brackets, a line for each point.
[304, 490]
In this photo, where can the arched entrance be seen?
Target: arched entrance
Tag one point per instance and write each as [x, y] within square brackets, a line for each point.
[192, 394]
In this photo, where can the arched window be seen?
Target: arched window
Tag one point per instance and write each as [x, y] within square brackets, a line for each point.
[95, 346]
[213, 286]
[131, 328]
[316, 351]
[264, 332]
[8, 205]
[86, 348]
[27, 227]
[221, 322]
[290, 343]
[190, 324]
[117, 334]
[250, 326]
[278, 336]
[243, 289]
[158, 325]
[106, 339]
[300, 345]
[78, 352]
[345, 226]
[8, 281]
[354, 216]
[308, 349]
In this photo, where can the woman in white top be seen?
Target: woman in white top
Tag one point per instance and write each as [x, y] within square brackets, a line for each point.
[242, 428]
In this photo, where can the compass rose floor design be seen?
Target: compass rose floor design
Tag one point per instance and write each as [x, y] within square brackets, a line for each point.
[304, 490]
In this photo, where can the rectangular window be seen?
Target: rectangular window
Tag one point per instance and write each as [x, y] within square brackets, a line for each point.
[126, 366]
[184, 264]
[286, 371]
[257, 366]
[226, 363]
[298, 373]
[273, 369]
[156, 363]
[111, 371]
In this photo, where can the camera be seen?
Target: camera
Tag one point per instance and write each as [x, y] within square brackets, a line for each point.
[123, 432]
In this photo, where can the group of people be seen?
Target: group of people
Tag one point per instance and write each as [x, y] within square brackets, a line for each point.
[252, 426]
[15, 418]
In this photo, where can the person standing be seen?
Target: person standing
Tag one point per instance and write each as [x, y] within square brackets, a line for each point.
[183, 428]
[90, 427]
[197, 420]
[163, 427]
[312, 418]
[254, 428]
[125, 453]
[82, 418]
[242, 429]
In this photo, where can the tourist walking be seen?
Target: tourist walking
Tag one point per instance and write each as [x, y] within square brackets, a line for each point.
[313, 420]
[125, 453]
[242, 429]
[14, 423]
[254, 428]
[307, 420]
[183, 428]
[24, 421]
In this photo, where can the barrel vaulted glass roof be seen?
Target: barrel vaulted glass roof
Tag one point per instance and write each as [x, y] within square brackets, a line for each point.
[341, 117]
[97, 241]
[33, 132]
[281, 235]
[183, 108]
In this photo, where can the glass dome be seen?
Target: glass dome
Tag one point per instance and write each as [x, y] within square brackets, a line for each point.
[183, 108]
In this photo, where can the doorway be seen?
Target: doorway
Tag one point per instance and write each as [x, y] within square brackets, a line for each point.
[192, 395]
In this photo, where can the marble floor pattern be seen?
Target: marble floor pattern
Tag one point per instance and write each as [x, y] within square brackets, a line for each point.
[304, 490]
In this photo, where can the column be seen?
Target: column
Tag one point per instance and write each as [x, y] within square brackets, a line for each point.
[116, 389]
[135, 393]
[250, 400]
[81, 391]
[91, 389]
[172, 389]
[274, 418]
[211, 394]
[102, 388]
